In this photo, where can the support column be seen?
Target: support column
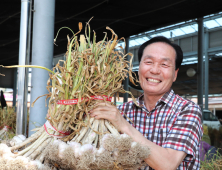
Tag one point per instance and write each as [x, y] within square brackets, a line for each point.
[15, 87]
[42, 55]
[24, 55]
[126, 82]
[200, 62]
[206, 68]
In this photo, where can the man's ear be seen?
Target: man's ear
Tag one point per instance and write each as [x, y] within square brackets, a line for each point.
[175, 75]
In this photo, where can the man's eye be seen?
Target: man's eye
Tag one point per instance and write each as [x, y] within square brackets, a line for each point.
[149, 62]
[164, 65]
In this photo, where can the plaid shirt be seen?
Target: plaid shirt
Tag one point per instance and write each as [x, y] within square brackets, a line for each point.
[174, 123]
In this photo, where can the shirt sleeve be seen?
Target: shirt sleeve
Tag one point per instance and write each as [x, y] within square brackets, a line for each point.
[186, 132]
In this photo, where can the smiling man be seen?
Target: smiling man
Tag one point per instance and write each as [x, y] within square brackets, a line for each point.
[169, 124]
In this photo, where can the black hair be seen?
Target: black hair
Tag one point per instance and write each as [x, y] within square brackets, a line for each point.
[179, 52]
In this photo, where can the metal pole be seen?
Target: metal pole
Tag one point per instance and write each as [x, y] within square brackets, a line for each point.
[200, 62]
[24, 54]
[126, 82]
[206, 69]
[114, 98]
[15, 87]
[42, 55]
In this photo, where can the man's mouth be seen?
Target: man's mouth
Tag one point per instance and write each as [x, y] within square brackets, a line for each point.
[153, 80]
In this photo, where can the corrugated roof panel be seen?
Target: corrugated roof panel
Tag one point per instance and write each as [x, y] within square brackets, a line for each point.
[150, 31]
[219, 54]
[189, 62]
[211, 24]
[154, 35]
[133, 43]
[219, 20]
[146, 38]
[194, 26]
[140, 40]
[177, 32]
[188, 29]
[166, 34]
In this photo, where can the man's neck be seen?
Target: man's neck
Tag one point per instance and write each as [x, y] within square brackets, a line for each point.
[151, 100]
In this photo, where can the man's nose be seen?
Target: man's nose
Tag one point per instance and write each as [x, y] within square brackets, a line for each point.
[155, 69]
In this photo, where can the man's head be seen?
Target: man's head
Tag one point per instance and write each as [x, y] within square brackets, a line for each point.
[179, 52]
[159, 64]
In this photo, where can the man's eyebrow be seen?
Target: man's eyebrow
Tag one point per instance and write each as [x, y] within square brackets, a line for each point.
[148, 56]
[167, 59]
[151, 57]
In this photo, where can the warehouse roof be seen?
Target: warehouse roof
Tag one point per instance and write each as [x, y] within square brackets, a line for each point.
[126, 18]
[139, 20]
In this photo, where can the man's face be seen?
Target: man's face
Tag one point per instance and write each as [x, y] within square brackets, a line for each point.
[157, 68]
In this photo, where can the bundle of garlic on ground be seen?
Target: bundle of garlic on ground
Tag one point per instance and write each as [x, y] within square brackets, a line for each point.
[70, 139]
[7, 123]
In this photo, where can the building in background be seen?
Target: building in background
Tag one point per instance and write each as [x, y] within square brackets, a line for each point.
[184, 34]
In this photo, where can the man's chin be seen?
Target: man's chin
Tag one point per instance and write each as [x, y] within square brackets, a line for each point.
[150, 91]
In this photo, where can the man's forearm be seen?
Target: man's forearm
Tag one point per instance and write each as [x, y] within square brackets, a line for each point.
[160, 158]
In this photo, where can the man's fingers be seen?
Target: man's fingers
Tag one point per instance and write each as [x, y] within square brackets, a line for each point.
[102, 104]
[101, 107]
[99, 115]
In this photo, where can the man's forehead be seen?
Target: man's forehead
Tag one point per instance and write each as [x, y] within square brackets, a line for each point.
[152, 57]
[154, 46]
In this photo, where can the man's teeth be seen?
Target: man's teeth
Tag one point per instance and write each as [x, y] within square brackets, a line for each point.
[153, 80]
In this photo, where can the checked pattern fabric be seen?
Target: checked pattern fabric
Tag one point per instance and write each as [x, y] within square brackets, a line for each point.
[174, 123]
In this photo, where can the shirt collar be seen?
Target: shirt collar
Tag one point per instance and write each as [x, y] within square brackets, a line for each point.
[140, 100]
[166, 98]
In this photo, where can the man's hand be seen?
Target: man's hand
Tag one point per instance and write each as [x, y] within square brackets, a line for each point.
[108, 112]
[160, 158]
